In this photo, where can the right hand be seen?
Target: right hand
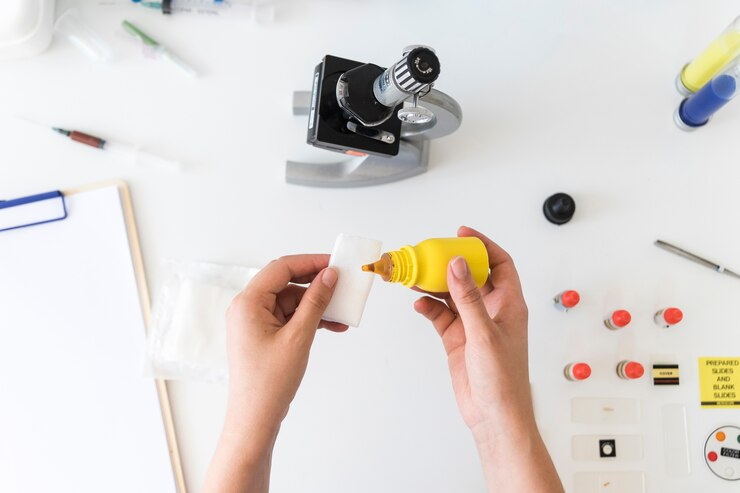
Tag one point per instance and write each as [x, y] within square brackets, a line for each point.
[271, 326]
[484, 332]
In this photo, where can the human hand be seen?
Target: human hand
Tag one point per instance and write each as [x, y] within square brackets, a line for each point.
[484, 332]
[271, 325]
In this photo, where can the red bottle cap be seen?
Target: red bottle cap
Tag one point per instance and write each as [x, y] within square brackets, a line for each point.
[672, 316]
[569, 299]
[633, 370]
[581, 371]
[712, 456]
[620, 318]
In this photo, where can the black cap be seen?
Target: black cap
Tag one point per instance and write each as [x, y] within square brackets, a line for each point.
[559, 208]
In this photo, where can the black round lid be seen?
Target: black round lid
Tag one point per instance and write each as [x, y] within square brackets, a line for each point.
[559, 208]
[423, 65]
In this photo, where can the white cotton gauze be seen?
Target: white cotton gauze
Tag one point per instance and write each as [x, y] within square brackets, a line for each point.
[353, 287]
[187, 338]
[198, 330]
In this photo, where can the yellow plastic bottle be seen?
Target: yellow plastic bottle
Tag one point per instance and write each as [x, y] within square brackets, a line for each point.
[425, 265]
[713, 59]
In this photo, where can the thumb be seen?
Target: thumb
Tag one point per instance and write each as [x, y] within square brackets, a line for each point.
[465, 294]
[315, 300]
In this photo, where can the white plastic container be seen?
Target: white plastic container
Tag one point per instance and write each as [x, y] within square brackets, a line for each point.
[353, 286]
[26, 27]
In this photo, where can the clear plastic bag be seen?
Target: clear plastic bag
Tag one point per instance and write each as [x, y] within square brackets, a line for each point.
[187, 340]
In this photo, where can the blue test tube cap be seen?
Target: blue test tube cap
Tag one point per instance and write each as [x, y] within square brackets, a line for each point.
[696, 110]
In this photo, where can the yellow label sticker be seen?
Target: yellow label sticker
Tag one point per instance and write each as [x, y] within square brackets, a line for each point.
[719, 382]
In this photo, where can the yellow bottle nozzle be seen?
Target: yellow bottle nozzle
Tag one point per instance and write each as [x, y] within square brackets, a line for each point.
[382, 267]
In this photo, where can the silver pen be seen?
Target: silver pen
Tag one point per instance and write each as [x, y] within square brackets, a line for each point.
[695, 258]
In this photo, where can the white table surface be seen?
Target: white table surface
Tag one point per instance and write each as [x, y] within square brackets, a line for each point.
[572, 96]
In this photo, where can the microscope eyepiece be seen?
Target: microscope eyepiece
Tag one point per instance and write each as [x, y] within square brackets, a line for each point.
[418, 67]
[414, 72]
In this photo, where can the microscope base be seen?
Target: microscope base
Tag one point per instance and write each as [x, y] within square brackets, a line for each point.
[412, 160]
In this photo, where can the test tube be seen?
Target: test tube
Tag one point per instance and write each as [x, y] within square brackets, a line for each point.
[618, 319]
[668, 317]
[696, 110]
[576, 372]
[712, 60]
[566, 300]
[72, 27]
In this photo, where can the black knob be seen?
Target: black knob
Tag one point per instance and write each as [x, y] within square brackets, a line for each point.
[559, 208]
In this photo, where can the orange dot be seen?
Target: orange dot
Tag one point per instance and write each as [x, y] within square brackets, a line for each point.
[672, 316]
[350, 152]
[570, 298]
[581, 371]
[633, 370]
[720, 436]
[621, 318]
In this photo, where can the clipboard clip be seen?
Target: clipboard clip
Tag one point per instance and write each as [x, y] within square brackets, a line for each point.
[33, 210]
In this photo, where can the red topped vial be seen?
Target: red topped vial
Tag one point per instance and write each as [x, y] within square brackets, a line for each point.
[576, 372]
[668, 317]
[567, 300]
[630, 370]
[618, 319]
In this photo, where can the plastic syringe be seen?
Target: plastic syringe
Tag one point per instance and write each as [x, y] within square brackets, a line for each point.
[259, 10]
[125, 153]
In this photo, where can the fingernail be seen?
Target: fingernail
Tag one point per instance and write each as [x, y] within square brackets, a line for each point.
[329, 277]
[459, 267]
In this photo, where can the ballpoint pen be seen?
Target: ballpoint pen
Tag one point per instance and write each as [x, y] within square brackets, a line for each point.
[157, 50]
[695, 258]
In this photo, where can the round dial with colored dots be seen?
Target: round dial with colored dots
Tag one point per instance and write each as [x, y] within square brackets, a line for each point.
[722, 452]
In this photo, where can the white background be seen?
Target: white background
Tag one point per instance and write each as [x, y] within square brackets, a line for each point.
[572, 96]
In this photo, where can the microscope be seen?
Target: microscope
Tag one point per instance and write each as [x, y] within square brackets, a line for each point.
[380, 119]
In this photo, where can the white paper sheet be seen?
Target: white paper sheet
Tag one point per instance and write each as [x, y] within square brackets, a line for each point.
[76, 415]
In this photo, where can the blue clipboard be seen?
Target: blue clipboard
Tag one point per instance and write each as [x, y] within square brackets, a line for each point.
[33, 210]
